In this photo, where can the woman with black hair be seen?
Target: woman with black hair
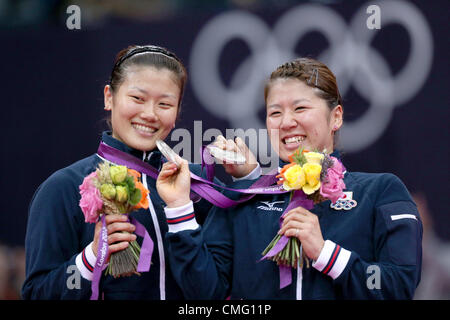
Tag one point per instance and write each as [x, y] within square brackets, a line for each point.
[144, 97]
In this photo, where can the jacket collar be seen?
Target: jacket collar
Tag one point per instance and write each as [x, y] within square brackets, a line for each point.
[152, 157]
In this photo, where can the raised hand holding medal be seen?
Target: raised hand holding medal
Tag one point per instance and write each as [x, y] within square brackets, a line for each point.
[168, 153]
[235, 156]
[174, 180]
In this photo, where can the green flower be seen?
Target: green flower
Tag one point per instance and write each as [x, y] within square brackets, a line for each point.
[108, 191]
[135, 197]
[121, 194]
[118, 174]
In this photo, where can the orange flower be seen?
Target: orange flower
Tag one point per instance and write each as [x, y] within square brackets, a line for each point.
[296, 153]
[291, 157]
[144, 192]
[134, 174]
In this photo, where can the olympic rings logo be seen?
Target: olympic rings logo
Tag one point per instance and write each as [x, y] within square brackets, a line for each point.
[350, 56]
[344, 204]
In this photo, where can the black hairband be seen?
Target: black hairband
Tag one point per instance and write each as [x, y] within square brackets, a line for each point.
[150, 49]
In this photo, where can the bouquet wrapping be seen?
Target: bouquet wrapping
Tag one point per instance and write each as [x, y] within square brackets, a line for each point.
[114, 189]
[312, 177]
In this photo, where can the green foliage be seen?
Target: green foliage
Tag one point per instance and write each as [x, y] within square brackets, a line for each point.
[135, 197]
[298, 157]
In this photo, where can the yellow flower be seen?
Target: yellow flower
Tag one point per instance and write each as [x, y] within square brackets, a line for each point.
[118, 174]
[314, 157]
[108, 191]
[312, 175]
[121, 194]
[294, 178]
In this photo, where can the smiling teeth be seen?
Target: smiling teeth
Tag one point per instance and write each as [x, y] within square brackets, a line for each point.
[143, 128]
[294, 139]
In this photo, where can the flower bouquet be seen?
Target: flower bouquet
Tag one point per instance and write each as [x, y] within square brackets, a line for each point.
[114, 189]
[320, 177]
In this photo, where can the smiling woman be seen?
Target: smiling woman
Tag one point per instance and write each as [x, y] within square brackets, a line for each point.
[344, 242]
[304, 107]
[144, 108]
[144, 97]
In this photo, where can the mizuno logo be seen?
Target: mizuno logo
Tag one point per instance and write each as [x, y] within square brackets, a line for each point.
[269, 206]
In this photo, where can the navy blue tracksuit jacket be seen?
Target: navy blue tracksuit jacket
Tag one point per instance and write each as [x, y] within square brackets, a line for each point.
[372, 249]
[57, 239]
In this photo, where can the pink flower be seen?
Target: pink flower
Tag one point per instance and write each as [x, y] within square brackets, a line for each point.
[334, 185]
[90, 202]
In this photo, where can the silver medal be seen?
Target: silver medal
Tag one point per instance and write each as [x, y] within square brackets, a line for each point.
[226, 155]
[167, 152]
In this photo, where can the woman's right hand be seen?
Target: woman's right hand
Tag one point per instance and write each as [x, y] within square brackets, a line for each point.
[174, 183]
[117, 240]
[239, 146]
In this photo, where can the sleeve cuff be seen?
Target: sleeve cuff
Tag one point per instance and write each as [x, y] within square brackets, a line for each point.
[252, 175]
[181, 218]
[85, 262]
[332, 259]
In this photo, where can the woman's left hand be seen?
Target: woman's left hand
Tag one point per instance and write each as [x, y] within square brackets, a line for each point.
[304, 225]
[238, 145]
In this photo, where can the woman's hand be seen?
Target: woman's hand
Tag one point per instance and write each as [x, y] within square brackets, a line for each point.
[174, 184]
[237, 170]
[117, 240]
[304, 225]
